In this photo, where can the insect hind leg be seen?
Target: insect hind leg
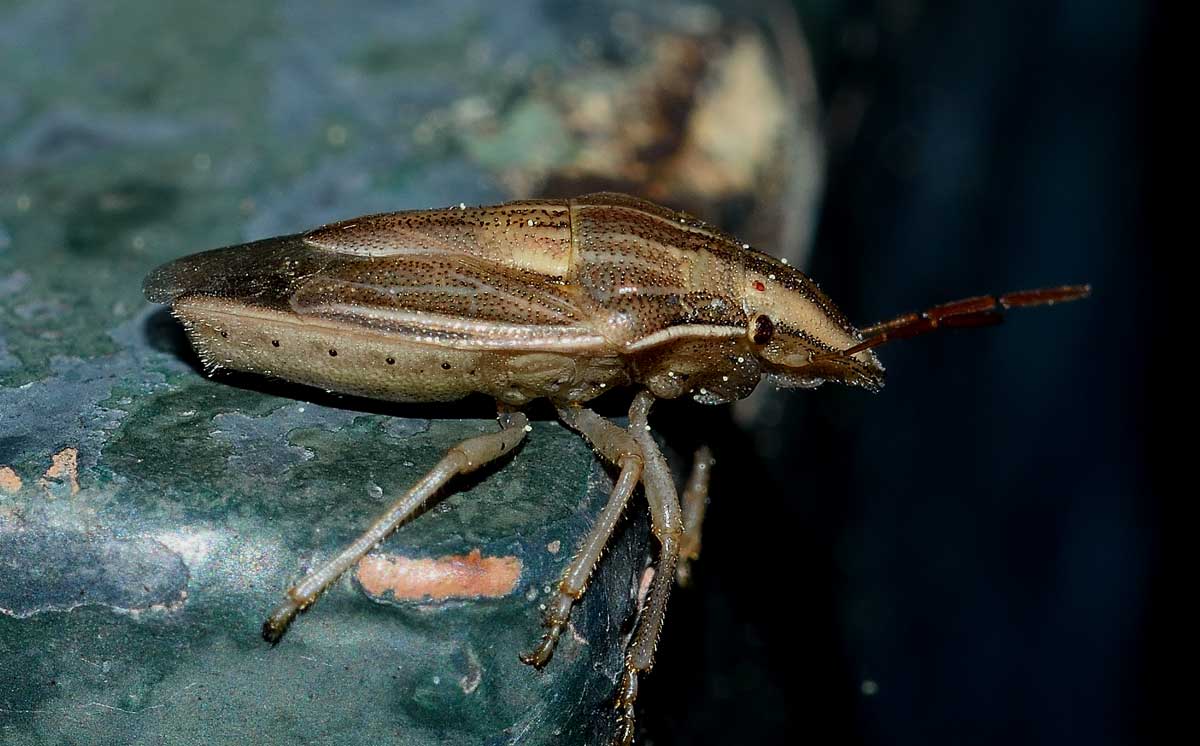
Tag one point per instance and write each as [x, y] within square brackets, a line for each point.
[465, 457]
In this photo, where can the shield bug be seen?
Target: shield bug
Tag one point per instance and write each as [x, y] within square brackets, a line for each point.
[549, 299]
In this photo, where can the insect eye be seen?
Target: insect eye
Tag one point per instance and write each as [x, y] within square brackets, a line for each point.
[761, 329]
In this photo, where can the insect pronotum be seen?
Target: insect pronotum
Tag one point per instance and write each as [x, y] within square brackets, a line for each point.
[555, 299]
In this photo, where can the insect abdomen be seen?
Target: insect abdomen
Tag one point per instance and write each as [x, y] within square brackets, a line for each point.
[355, 360]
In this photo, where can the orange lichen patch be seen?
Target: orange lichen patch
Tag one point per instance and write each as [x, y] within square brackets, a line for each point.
[440, 578]
[64, 467]
[9, 481]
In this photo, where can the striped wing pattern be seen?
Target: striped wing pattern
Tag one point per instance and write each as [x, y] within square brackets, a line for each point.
[460, 301]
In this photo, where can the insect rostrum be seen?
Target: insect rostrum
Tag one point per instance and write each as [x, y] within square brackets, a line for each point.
[555, 299]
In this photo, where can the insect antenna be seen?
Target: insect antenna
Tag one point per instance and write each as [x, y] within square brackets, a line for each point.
[982, 310]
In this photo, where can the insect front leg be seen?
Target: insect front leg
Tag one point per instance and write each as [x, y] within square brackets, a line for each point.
[695, 500]
[465, 457]
[617, 447]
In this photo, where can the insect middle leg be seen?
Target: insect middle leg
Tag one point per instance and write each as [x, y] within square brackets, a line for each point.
[617, 447]
[666, 521]
[465, 457]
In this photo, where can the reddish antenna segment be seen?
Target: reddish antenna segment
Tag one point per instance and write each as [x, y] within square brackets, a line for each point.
[982, 310]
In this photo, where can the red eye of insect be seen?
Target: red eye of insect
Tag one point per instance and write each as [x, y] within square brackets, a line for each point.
[759, 286]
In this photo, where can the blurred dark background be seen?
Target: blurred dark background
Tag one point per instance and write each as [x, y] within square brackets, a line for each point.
[968, 556]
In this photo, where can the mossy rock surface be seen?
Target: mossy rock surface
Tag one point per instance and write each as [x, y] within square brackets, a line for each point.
[130, 608]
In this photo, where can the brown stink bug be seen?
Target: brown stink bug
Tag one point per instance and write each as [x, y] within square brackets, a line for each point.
[549, 299]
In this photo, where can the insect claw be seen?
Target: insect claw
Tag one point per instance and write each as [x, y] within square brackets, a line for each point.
[271, 634]
[534, 658]
[278, 622]
[625, 731]
[541, 655]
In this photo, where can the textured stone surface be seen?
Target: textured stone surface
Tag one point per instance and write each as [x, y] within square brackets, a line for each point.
[149, 517]
[130, 611]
